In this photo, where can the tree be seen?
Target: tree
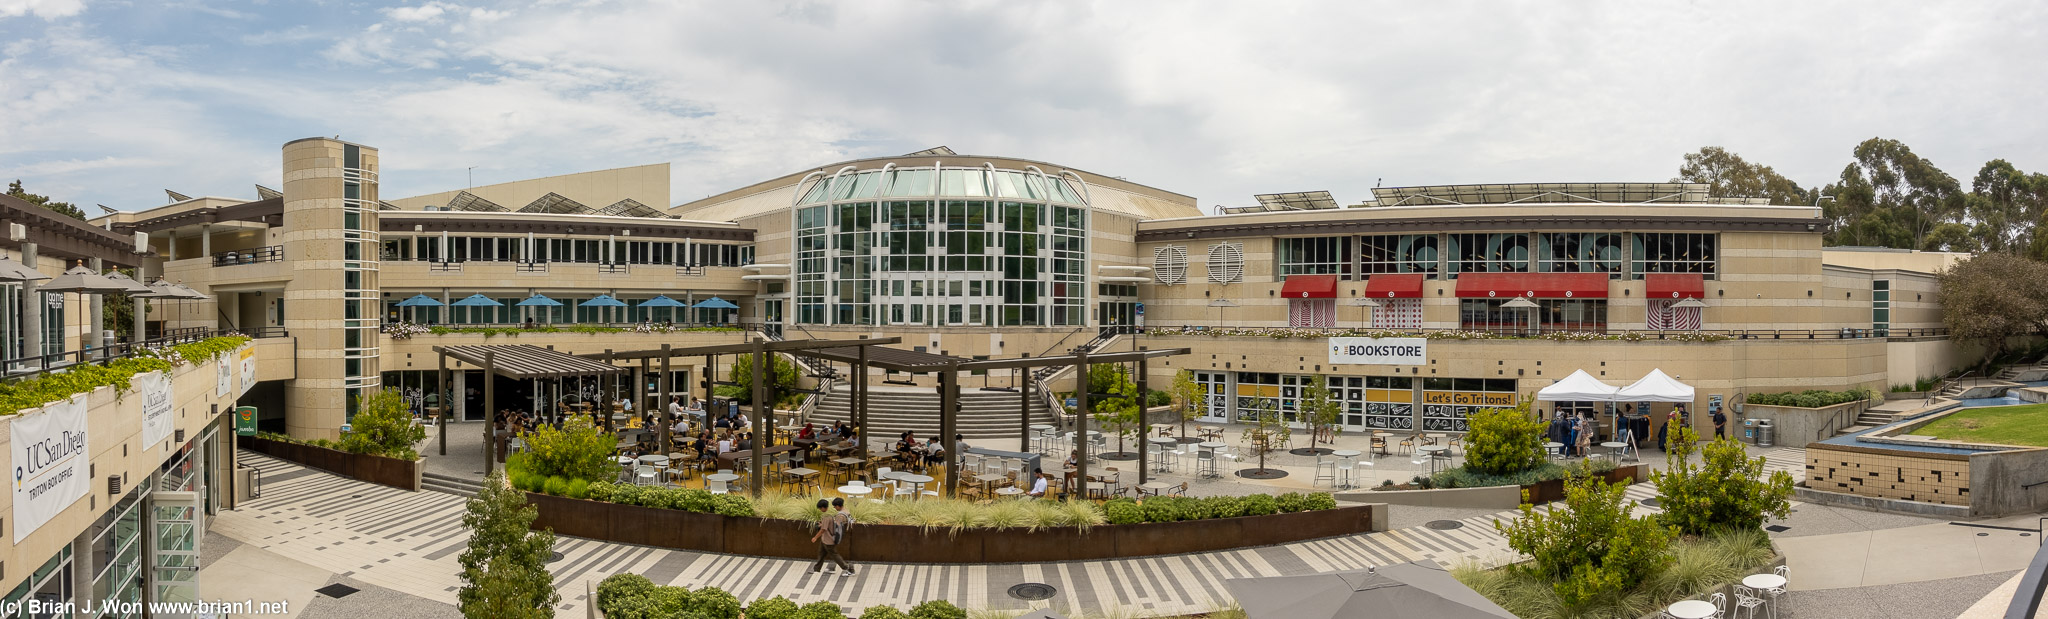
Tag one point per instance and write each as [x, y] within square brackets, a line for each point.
[1729, 176]
[781, 381]
[506, 564]
[1593, 548]
[383, 426]
[1727, 490]
[66, 208]
[1266, 428]
[1992, 297]
[2007, 205]
[1504, 441]
[579, 450]
[1121, 409]
[1890, 197]
[1319, 410]
[1190, 399]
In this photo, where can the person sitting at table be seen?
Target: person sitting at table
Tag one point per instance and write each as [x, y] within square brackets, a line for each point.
[682, 427]
[740, 420]
[808, 432]
[934, 452]
[845, 430]
[1038, 482]
[1073, 458]
[906, 452]
[725, 443]
[746, 442]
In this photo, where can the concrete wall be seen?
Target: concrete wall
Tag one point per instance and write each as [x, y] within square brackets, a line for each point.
[1795, 427]
[1998, 482]
[1923, 477]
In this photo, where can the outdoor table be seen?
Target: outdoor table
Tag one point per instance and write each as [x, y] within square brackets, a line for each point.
[1691, 609]
[1765, 583]
[989, 480]
[1212, 445]
[1614, 450]
[916, 482]
[1154, 488]
[856, 490]
[1435, 452]
[801, 474]
[1040, 427]
[1342, 454]
[1553, 447]
[654, 460]
[724, 477]
[1009, 491]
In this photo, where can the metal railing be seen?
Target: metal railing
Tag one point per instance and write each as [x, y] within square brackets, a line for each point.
[1644, 334]
[611, 268]
[59, 360]
[451, 267]
[689, 270]
[530, 267]
[273, 253]
[2026, 600]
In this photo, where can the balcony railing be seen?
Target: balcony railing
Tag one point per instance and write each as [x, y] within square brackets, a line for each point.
[445, 267]
[234, 257]
[53, 361]
[530, 267]
[619, 269]
[1545, 333]
[689, 270]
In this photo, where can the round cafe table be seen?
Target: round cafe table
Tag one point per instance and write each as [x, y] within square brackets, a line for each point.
[1553, 447]
[724, 477]
[916, 481]
[855, 490]
[1009, 491]
[1433, 451]
[1040, 427]
[1614, 450]
[1763, 581]
[1164, 440]
[1691, 609]
[1212, 445]
[654, 460]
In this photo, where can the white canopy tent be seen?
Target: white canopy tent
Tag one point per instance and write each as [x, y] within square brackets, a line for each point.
[1656, 387]
[1579, 387]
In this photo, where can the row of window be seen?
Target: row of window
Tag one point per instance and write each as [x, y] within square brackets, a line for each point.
[940, 262]
[589, 251]
[1355, 257]
[1550, 315]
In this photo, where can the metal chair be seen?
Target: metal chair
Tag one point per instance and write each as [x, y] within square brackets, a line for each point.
[645, 475]
[1785, 572]
[1343, 470]
[719, 487]
[1720, 602]
[1746, 600]
[1325, 469]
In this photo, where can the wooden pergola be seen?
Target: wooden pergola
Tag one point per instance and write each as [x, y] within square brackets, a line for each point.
[515, 361]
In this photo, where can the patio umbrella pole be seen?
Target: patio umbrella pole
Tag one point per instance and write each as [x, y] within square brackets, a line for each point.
[667, 378]
[442, 408]
[1081, 422]
[490, 401]
[1144, 424]
[760, 418]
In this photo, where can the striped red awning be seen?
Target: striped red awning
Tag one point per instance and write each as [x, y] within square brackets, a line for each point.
[1674, 286]
[1394, 286]
[1310, 287]
[1533, 285]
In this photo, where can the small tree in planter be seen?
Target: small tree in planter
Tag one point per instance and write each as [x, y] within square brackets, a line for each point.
[1267, 428]
[1727, 490]
[1503, 441]
[1120, 411]
[383, 426]
[1592, 549]
[1190, 399]
[1319, 411]
[505, 568]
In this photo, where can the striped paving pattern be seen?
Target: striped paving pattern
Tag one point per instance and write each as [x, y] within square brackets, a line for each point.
[409, 541]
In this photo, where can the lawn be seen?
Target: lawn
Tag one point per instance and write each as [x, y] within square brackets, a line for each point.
[2006, 425]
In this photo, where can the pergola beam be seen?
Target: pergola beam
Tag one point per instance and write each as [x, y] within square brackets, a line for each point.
[748, 348]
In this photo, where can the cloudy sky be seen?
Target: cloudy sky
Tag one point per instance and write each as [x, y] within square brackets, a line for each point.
[105, 101]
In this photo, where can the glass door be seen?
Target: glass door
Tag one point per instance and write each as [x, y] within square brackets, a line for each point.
[174, 570]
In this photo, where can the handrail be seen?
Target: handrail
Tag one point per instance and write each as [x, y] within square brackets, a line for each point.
[2026, 600]
[121, 350]
[1643, 334]
[272, 253]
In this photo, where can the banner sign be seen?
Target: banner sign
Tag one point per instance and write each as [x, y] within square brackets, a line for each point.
[1468, 398]
[155, 388]
[248, 357]
[222, 375]
[245, 421]
[1379, 351]
[50, 459]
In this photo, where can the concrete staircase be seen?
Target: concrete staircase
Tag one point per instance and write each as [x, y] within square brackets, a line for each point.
[451, 485]
[895, 409]
[1869, 418]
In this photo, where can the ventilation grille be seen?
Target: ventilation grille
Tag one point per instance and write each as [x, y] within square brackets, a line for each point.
[1226, 262]
[1170, 264]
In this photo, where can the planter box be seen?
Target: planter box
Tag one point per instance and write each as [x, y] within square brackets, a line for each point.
[393, 472]
[1796, 426]
[764, 537]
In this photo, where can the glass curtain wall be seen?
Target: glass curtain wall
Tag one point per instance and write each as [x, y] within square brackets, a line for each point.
[936, 247]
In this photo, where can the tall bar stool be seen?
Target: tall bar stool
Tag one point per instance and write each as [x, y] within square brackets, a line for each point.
[1325, 469]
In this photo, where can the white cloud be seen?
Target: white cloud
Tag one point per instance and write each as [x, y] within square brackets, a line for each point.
[46, 9]
[429, 12]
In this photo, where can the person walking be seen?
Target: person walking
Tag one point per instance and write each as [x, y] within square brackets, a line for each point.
[831, 527]
[1571, 436]
[1589, 430]
[1720, 425]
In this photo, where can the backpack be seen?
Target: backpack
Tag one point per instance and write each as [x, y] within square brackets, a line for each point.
[838, 524]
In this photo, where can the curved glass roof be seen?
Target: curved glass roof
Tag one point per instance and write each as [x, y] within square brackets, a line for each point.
[942, 183]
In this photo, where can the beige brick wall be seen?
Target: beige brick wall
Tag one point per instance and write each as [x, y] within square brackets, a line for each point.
[1909, 478]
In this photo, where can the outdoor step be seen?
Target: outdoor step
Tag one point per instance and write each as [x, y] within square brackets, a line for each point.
[1857, 428]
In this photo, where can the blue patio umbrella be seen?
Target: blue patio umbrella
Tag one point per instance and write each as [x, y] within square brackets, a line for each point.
[715, 303]
[662, 301]
[477, 300]
[603, 300]
[419, 300]
[539, 301]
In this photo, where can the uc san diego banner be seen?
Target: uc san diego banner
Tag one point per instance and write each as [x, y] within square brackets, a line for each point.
[49, 455]
[221, 375]
[248, 359]
[1379, 351]
[155, 389]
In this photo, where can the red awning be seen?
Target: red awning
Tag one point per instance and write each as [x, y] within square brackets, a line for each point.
[1533, 285]
[1674, 286]
[1310, 287]
[1394, 286]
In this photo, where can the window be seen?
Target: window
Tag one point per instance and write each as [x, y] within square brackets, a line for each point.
[1674, 253]
[1580, 252]
[1587, 315]
[1330, 255]
[1881, 306]
[1489, 253]
[1448, 402]
[1398, 253]
[1312, 313]
[1397, 314]
[1389, 402]
[1663, 316]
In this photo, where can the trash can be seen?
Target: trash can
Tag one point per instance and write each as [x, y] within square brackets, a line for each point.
[1749, 431]
[1765, 433]
[246, 480]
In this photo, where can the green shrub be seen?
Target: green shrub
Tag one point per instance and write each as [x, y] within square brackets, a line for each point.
[1321, 500]
[937, 609]
[1593, 549]
[1155, 398]
[1224, 506]
[625, 494]
[626, 596]
[731, 505]
[578, 489]
[555, 486]
[383, 426]
[51, 387]
[1123, 511]
[579, 450]
[673, 602]
[820, 610]
[1504, 441]
[1291, 502]
[601, 491]
[777, 607]
[715, 603]
[1728, 490]
[881, 611]
[1812, 398]
[1466, 477]
[1260, 505]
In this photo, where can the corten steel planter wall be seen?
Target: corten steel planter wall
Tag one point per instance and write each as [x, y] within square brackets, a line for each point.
[763, 537]
[1553, 490]
[393, 472]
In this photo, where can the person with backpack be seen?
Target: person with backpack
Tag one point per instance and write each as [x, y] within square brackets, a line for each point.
[831, 528]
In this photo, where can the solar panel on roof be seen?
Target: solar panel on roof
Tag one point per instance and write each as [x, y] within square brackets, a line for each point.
[555, 204]
[466, 201]
[633, 208]
[1297, 201]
